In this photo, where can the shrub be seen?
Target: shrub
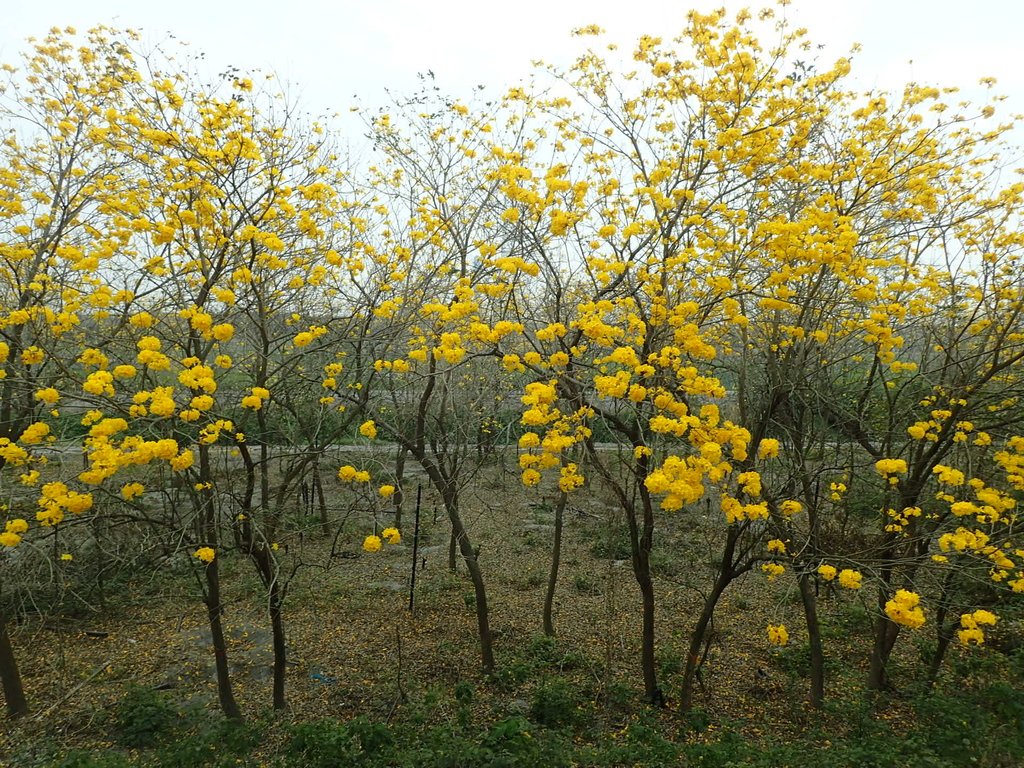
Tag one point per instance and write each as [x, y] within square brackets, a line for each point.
[554, 704]
[330, 744]
[142, 717]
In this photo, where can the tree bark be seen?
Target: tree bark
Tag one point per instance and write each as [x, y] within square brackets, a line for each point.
[262, 559]
[647, 656]
[14, 692]
[697, 640]
[445, 485]
[886, 633]
[556, 559]
[810, 604]
[727, 572]
[208, 524]
[943, 632]
[450, 500]
[476, 577]
[318, 488]
[213, 609]
[482, 610]
[641, 541]
[280, 650]
[945, 636]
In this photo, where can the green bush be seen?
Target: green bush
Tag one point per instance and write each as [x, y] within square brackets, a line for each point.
[82, 759]
[142, 717]
[640, 744]
[330, 744]
[554, 704]
[219, 743]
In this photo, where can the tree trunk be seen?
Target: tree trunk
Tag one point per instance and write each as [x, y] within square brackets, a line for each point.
[208, 526]
[399, 497]
[444, 484]
[259, 555]
[935, 664]
[280, 651]
[810, 603]
[220, 652]
[640, 541]
[647, 660]
[14, 692]
[318, 488]
[886, 633]
[479, 590]
[556, 559]
[697, 640]
[943, 632]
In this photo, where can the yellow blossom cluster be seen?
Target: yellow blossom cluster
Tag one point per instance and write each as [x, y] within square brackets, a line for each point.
[12, 533]
[256, 399]
[679, 480]
[56, 499]
[778, 634]
[349, 474]
[150, 354]
[107, 456]
[562, 433]
[374, 543]
[970, 626]
[773, 570]
[890, 469]
[305, 338]
[904, 609]
[35, 433]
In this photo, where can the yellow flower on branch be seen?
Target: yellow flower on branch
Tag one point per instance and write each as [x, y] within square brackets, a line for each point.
[777, 634]
[889, 468]
[130, 490]
[773, 570]
[904, 609]
[49, 395]
[850, 579]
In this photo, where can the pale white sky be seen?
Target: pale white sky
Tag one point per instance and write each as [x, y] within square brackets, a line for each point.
[331, 51]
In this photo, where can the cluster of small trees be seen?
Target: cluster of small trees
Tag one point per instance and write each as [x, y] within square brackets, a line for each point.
[797, 305]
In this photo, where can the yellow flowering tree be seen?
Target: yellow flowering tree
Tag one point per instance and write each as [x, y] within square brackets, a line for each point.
[436, 296]
[868, 311]
[241, 242]
[56, 189]
[769, 297]
[218, 221]
[665, 171]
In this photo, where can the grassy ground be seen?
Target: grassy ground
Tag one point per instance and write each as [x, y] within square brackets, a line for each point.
[372, 684]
